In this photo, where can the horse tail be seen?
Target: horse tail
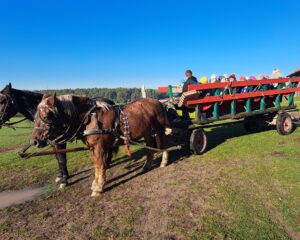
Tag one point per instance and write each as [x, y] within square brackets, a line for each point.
[165, 129]
[161, 125]
[167, 125]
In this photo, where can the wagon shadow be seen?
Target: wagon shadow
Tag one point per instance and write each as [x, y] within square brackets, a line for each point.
[132, 166]
[77, 180]
[219, 135]
[135, 165]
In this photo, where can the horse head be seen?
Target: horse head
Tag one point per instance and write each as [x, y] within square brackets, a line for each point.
[60, 119]
[47, 121]
[8, 105]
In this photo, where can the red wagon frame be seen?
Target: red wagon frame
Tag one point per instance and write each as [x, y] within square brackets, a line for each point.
[253, 107]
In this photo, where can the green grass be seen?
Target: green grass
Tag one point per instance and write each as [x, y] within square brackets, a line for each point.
[258, 182]
[18, 173]
[254, 182]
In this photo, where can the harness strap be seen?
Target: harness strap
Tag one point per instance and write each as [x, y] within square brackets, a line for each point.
[10, 125]
[126, 133]
[77, 132]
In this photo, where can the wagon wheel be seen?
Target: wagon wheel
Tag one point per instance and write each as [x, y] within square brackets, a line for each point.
[251, 125]
[198, 141]
[284, 124]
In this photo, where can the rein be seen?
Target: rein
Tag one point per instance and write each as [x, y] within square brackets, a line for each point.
[9, 99]
[3, 113]
[11, 125]
[65, 138]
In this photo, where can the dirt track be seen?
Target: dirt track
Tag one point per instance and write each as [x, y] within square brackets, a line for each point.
[138, 209]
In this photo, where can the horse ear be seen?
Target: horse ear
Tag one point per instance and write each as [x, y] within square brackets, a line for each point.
[52, 100]
[45, 95]
[7, 89]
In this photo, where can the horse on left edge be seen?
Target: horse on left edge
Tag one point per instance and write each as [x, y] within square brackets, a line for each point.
[13, 101]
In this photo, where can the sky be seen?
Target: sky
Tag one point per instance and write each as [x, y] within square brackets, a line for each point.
[54, 44]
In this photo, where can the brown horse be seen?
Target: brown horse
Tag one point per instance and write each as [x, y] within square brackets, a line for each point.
[68, 116]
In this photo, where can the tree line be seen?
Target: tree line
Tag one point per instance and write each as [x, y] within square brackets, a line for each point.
[118, 95]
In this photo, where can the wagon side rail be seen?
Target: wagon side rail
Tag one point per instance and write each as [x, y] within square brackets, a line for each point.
[209, 86]
[200, 87]
[284, 87]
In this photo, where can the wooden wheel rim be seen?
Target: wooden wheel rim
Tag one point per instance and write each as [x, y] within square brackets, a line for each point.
[200, 140]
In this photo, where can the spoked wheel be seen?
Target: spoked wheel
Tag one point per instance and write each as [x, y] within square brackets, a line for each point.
[198, 141]
[284, 124]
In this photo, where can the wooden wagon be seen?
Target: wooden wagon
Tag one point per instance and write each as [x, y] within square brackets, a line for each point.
[251, 102]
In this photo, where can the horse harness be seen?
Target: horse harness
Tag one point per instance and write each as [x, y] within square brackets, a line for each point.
[120, 116]
[69, 135]
[3, 113]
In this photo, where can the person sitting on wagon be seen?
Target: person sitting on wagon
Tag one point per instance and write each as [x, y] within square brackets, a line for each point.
[266, 77]
[190, 79]
[204, 80]
[232, 78]
[223, 79]
[213, 78]
[243, 89]
[276, 74]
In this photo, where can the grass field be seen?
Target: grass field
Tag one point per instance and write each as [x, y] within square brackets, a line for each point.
[247, 186]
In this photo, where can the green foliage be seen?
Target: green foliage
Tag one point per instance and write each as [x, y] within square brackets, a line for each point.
[119, 95]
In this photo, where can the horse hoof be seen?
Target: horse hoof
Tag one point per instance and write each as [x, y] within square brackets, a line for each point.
[163, 165]
[58, 179]
[146, 168]
[95, 194]
[62, 185]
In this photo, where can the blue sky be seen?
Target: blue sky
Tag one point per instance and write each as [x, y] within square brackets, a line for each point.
[68, 44]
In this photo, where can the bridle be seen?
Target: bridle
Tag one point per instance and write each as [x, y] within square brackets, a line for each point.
[9, 101]
[69, 135]
[3, 113]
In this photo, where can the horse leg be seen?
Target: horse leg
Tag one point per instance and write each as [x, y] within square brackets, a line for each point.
[99, 158]
[160, 140]
[58, 179]
[151, 143]
[109, 157]
[62, 162]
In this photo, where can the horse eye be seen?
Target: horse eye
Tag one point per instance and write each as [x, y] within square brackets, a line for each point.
[50, 116]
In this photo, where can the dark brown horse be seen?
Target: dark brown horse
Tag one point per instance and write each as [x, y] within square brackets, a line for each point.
[13, 101]
[68, 116]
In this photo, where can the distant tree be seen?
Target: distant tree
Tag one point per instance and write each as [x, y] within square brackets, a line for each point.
[119, 95]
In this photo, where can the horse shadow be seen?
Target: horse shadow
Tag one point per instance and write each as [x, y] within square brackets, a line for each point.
[133, 165]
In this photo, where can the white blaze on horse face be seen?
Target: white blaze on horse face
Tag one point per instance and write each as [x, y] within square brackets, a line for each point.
[41, 129]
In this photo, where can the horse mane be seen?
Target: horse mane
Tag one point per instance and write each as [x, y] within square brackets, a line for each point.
[70, 109]
[68, 105]
[104, 105]
[28, 93]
